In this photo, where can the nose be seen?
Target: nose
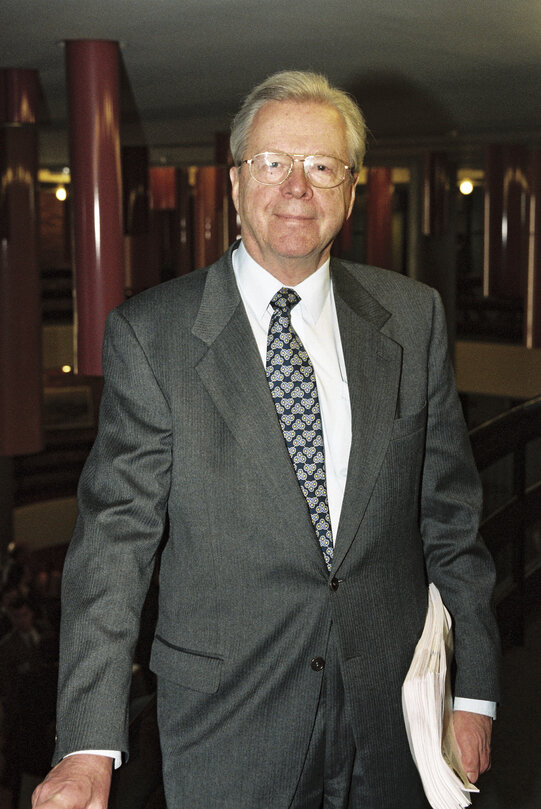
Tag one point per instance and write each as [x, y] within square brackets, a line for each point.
[296, 184]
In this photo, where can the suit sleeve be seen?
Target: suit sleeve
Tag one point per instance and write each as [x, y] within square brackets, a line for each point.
[457, 560]
[122, 501]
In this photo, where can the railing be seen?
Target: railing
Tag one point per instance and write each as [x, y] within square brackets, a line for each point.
[510, 443]
[54, 472]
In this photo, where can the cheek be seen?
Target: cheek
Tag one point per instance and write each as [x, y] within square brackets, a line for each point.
[335, 209]
[252, 213]
[256, 204]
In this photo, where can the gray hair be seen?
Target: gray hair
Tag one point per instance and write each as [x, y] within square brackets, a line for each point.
[302, 86]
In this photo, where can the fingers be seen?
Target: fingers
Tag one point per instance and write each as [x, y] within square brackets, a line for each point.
[473, 733]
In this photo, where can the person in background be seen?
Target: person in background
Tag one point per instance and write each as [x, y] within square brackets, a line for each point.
[28, 679]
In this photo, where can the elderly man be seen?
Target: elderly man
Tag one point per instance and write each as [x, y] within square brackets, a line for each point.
[296, 421]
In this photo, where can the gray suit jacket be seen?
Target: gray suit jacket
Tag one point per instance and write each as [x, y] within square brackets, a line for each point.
[188, 432]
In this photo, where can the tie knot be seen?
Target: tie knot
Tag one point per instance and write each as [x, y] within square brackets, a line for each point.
[285, 299]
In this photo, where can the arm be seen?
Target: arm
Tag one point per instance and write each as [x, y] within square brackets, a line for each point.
[456, 558]
[122, 502]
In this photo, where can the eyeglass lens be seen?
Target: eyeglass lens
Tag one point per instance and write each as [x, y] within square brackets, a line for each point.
[322, 171]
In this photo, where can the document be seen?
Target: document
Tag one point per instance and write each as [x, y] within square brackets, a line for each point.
[428, 708]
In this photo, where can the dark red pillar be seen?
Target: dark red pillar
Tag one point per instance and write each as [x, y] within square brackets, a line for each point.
[163, 222]
[140, 272]
[438, 247]
[506, 221]
[183, 256]
[436, 189]
[20, 294]
[379, 236]
[210, 214]
[92, 68]
[533, 300]
[162, 188]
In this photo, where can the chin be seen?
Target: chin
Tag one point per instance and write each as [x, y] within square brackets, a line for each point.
[295, 248]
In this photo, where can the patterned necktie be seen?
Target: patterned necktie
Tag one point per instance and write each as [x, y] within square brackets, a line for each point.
[293, 387]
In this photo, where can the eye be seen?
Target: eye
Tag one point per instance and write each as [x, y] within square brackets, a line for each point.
[274, 161]
[323, 166]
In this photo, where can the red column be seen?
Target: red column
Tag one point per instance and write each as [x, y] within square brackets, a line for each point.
[379, 236]
[163, 220]
[437, 252]
[533, 301]
[183, 255]
[162, 188]
[506, 221]
[436, 194]
[210, 214]
[20, 294]
[92, 68]
[140, 273]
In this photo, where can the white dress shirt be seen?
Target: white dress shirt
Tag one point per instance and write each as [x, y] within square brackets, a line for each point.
[314, 319]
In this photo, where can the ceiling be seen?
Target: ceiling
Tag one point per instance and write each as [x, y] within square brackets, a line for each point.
[436, 69]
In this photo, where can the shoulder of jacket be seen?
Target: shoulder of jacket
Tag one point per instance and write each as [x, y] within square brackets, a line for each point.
[397, 293]
[377, 278]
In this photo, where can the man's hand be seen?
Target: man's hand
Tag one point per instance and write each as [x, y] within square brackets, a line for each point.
[473, 732]
[81, 781]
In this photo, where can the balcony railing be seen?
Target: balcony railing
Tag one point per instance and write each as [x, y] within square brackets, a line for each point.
[507, 450]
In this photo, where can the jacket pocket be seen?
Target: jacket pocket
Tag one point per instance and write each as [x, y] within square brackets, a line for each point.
[409, 424]
[191, 669]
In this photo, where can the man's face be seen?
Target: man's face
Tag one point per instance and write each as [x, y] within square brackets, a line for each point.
[289, 228]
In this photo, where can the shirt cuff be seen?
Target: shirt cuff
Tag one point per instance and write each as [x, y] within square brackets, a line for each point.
[116, 755]
[481, 706]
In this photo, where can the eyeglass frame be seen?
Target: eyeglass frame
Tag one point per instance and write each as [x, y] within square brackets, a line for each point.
[299, 158]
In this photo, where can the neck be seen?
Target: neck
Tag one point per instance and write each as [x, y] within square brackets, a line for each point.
[290, 271]
[291, 277]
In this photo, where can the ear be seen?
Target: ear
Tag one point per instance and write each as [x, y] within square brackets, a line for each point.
[352, 191]
[234, 173]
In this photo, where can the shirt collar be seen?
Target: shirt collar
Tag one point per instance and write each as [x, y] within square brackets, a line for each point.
[258, 286]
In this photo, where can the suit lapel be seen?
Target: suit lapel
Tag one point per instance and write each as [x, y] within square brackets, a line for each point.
[373, 363]
[233, 374]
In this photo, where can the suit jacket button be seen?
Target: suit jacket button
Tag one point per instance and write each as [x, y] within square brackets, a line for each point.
[318, 664]
[334, 583]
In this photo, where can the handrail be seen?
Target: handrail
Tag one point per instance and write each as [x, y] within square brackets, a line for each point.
[505, 529]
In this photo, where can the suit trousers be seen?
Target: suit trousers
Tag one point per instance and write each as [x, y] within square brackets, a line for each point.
[329, 776]
[332, 776]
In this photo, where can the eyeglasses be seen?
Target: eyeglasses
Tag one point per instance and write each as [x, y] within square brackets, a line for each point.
[321, 171]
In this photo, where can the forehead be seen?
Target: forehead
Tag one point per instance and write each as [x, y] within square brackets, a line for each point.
[305, 127]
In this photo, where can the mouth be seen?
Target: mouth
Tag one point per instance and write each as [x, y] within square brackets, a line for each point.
[291, 217]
